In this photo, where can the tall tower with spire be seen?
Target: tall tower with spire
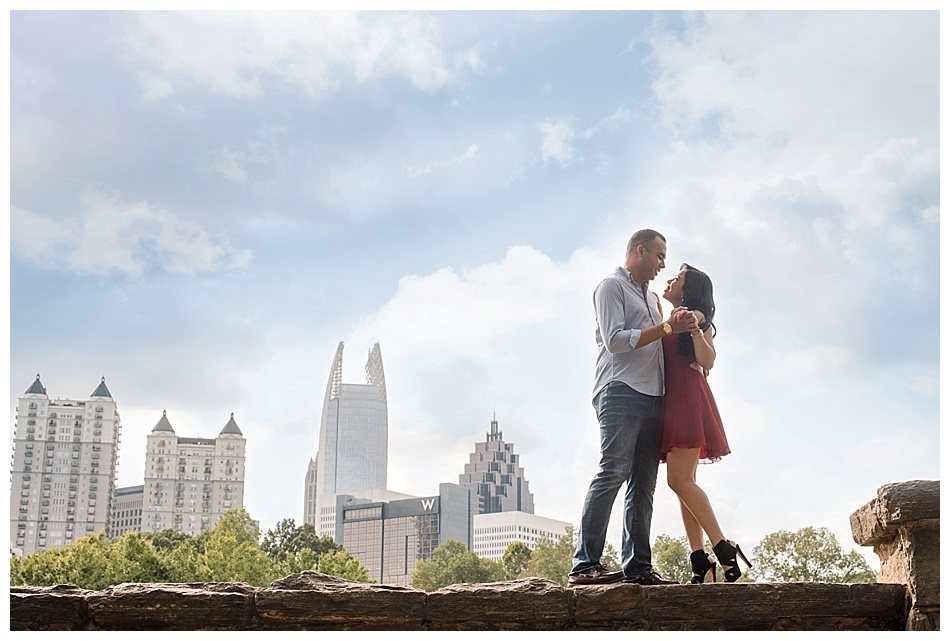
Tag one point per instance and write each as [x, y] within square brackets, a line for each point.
[353, 447]
[65, 458]
[495, 476]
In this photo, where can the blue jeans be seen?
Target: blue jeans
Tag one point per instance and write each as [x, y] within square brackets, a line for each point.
[629, 422]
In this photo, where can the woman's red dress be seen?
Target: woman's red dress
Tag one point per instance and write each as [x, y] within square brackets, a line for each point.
[689, 417]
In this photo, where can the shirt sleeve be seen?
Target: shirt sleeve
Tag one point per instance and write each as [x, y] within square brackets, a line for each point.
[609, 312]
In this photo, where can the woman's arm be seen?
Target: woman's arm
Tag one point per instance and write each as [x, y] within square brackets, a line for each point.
[703, 346]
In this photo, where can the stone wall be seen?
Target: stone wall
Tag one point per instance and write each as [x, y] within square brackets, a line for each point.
[313, 601]
[903, 525]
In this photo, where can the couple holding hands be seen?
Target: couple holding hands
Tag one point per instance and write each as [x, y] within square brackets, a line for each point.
[653, 404]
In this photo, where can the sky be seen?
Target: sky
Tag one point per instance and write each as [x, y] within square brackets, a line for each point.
[202, 205]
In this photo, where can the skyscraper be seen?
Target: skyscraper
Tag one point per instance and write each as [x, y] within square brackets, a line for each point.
[495, 476]
[65, 454]
[354, 439]
[191, 482]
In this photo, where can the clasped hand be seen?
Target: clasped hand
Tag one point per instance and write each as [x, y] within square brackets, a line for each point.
[685, 320]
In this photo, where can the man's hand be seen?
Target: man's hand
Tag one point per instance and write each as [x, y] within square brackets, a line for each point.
[683, 320]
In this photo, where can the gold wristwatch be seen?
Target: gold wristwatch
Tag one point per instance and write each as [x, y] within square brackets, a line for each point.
[667, 329]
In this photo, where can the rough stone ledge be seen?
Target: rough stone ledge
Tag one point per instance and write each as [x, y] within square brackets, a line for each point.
[896, 505]
[312, 601]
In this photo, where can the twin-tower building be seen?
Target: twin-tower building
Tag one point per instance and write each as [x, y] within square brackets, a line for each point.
[65, 459]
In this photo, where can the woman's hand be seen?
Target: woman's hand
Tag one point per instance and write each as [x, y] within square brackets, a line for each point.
[683, 320]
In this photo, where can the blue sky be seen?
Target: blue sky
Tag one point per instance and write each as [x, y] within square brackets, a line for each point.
[204, 204]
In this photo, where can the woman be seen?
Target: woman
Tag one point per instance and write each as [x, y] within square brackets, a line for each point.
[690, 427]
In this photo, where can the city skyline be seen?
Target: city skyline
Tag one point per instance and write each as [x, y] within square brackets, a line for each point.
[203, 204]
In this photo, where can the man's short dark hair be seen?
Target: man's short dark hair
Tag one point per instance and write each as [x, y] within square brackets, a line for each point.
[643, 237]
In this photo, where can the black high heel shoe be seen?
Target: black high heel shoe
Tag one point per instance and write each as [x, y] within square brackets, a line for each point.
[703, 564]
[726, 552]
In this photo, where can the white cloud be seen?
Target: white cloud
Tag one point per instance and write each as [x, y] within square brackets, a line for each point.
[740, 74]
[456, 161]
[108, 236]
[925, 386]
[234, 52]
[230, 165]
[890, 180]
[153, 87]
[447, 314]
[804, 182]
[557, 143]
[611, 123]
[261, 149]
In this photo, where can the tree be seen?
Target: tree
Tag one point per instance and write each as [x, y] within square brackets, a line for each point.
[453, 563]
[41, 568]
[514, 563]
[166, 540]
[240, 523]
[340, 563]
[83, 563]
[228, 552]
[185, 563]
[810, 554]
[287, 540]
[305, 560]
[232, 551]
[671, 558]
[132, 559]
[555, 560]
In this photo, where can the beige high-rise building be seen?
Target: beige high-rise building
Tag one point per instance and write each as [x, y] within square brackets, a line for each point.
[191, 482]
[65, 455]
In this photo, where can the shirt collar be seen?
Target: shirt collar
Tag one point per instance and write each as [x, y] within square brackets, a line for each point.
[630, 277]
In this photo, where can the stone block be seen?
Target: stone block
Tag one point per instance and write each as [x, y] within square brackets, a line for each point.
[172, 606]
[896, 504]
[617, 606]
[923, 621]
[61, 607]
[915, 561]
[313, 601]
[525, 604]
[775, 606]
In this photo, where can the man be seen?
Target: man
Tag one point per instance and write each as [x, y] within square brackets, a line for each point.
[627, 395]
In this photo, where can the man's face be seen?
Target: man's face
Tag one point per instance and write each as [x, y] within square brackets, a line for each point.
[653, 258]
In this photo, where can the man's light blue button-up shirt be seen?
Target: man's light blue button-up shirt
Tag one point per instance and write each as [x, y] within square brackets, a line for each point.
[623, 309]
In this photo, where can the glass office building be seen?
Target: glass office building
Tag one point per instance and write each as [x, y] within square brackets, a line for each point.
[354, 437]
[390, 538]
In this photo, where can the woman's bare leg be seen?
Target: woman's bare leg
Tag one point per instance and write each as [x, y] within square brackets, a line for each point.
[694, 531]
[681, 477]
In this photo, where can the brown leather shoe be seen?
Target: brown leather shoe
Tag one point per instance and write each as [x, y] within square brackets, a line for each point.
[594, 576]
[650, 578]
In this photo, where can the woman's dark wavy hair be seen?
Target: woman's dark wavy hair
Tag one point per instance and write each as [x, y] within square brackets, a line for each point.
[697, 294]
